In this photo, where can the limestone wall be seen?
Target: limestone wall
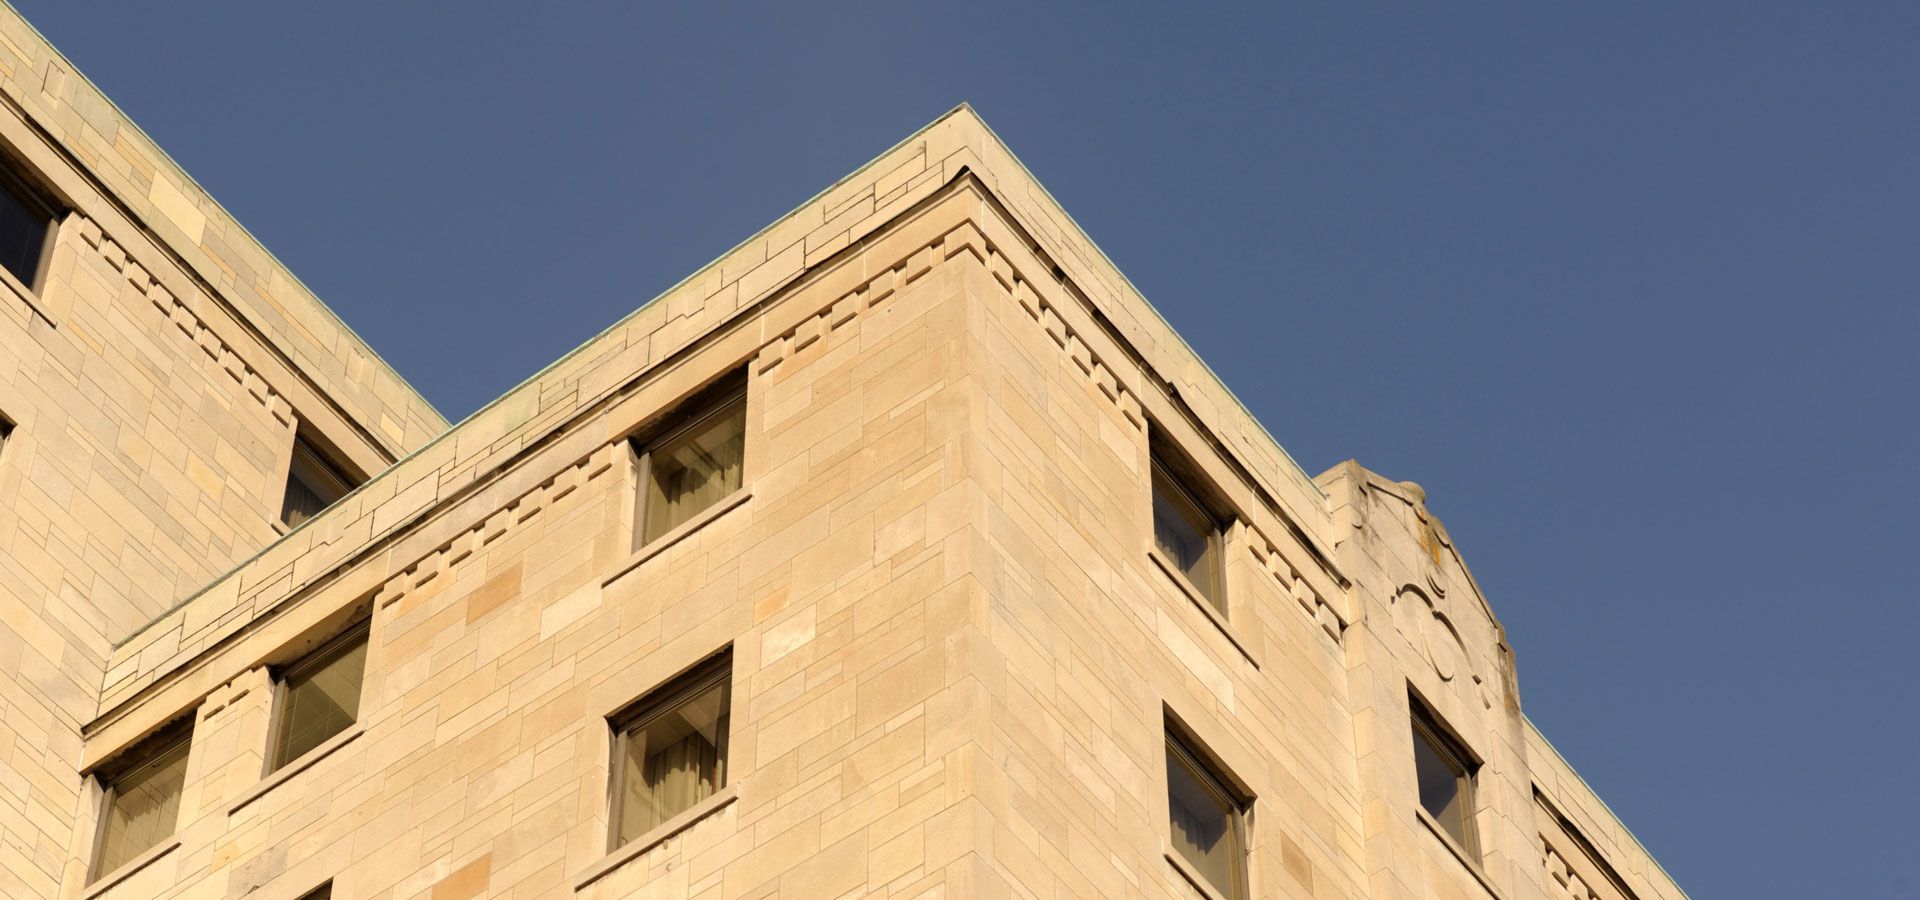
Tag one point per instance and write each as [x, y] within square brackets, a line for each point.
[729, 291]
[154, 376]
[910, 624]
[954, 658]
[1424, 629]
[1097, 647]
[508, 626]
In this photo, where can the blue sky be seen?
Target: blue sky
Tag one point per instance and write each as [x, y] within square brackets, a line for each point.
[1629, 288]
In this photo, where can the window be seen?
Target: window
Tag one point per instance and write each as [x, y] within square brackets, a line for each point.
[1445, 773]
[318, 697]
[142, 802]
[670, 750]
[313, 483]
[691, 467]
[6, 431]
[323, 892]
[1188, 535]
[1207, 821]
[26, 229]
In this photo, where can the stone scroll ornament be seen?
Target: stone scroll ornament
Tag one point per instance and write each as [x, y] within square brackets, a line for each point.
[1420, 619]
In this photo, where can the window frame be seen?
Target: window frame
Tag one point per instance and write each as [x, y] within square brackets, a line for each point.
[714, 670]
[319, 462]
[328, 651]
[696, 411]
[1427, 726]
[1202, 768]
[1167, 465]
[146, 753]
[35, 199]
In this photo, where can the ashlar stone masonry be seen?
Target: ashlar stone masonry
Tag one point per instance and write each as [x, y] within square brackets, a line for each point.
[986, 588]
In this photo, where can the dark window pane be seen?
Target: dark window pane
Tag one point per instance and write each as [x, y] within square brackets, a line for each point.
[1187, 536]
[695, 469]
[671, 761]
[144, 806]
[302, 503]
[313, 484]
[319, 700]
[1444, 785]
[23, 232]
[1200, 828]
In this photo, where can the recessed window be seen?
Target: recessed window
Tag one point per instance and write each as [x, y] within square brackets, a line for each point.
[1207, 824]
[691, 467]
[318, 697]
[670, 750]
[1188, 533]
[313, 484]
[26, 229]
[1445, 772]
[142, 798]
[323, 892]
[6, 431]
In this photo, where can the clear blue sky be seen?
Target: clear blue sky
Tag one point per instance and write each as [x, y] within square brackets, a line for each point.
[1630, 288]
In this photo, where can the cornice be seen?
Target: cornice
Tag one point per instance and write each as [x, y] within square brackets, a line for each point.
[391, 511]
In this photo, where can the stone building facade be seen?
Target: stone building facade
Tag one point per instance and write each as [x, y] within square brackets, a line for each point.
[964, 576]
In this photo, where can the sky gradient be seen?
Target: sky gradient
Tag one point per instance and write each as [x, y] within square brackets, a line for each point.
[1629, 288]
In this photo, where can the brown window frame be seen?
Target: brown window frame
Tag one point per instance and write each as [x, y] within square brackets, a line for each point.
[1427, 726]
[1202, 768]
[1171, 468]
[333, 648]
[701, 409]
[715, 670]
[149, 751]
[35, 199]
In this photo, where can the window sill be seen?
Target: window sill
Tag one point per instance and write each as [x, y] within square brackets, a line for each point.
[127, 869]
[659, 835]
[1199, 601]
[304, 762]
[1460, 853]
[1194, 878]
[658, 545]
[26, 295]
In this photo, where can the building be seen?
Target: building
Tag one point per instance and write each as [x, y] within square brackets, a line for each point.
[904, 551]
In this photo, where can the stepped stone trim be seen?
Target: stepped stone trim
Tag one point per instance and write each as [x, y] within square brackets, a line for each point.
[1270, 560]
[1264, 549]
[1042, 312]
[964, 238]
[871, 294]
[185, 319]
[440, 561]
